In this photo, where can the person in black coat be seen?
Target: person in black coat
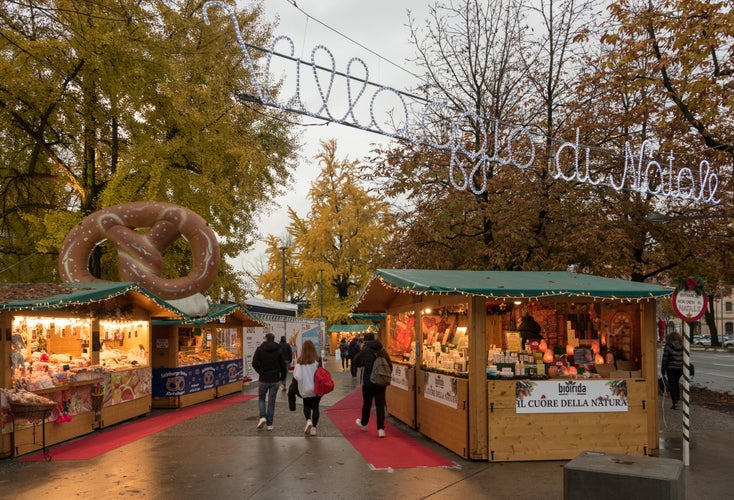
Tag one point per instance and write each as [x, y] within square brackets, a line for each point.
[353, 349]
[365, 358]
[287, 350]
[269, 363]
[671, 365]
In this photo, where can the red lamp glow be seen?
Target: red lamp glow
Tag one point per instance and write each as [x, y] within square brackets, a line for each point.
[543, 346]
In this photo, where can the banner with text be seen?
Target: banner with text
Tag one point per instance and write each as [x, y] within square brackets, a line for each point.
[570, 396]
[441, 389]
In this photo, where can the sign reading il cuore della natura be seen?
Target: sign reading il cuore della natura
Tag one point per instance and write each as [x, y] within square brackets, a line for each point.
[570, 396]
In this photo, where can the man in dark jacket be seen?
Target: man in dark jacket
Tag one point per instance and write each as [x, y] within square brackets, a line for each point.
[365, 358]
[287, 350]
[269, 363]
[353, 349]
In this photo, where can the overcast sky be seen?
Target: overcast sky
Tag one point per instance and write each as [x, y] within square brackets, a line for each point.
[378, 25]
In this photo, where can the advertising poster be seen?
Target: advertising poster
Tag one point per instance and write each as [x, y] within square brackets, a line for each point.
[570, 396]
[441, 389]
[399, 376]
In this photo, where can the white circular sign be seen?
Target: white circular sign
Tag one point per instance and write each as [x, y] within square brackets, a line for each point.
[688, 305]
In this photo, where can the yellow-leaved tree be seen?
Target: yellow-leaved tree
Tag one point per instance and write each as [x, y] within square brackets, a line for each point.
[335, 248]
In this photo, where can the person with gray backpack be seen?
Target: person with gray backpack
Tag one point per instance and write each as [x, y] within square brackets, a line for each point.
[373, 388]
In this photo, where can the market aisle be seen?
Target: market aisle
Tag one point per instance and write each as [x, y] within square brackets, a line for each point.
[221, 455]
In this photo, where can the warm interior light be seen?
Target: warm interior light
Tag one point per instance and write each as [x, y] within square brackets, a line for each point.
[427, 310]
[548, 356]
[569, 349]
[543, 346]
[598, 359]
[595, 346]
[572, 370]
[517, 302]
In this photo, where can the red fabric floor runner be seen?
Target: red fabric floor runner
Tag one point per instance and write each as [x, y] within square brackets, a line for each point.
[101, 442]
[396, 451]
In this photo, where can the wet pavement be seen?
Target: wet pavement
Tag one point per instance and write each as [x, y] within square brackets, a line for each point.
[221, 455]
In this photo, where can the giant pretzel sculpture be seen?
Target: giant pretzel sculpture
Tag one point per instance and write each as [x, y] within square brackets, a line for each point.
[139, 254]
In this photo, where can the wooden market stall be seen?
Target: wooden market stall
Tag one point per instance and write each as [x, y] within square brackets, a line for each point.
[338, 332]
[84, 347]
[521, 365]
[199, 359]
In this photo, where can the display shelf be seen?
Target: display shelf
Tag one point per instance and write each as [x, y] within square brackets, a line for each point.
[63, 387]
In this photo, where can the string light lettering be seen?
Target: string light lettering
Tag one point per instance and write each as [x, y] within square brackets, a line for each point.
[500, 143]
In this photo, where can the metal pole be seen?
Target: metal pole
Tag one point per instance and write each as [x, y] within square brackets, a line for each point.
[282, 275]
[686, 394]
[321, 286]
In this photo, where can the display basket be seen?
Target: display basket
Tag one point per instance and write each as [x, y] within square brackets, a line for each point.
[33, 411]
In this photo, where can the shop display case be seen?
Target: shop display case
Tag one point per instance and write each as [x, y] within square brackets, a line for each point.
[401, 346]
[199, 359]
[86, 347]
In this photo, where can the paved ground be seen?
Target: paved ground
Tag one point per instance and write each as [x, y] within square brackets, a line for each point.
[221, 455]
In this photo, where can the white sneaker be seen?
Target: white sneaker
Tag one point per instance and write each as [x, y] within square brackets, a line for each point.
[359, 424]
[313, 431]
[261, 423]
[381, 433]
[270, 427]
[309, 426]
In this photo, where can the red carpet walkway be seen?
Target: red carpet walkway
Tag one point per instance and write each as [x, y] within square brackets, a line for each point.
[396, 451]
[103, 441]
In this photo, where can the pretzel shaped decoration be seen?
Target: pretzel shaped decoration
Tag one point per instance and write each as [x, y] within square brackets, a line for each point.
[139, 254]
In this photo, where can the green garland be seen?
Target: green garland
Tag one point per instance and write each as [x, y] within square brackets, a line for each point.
[694, 283]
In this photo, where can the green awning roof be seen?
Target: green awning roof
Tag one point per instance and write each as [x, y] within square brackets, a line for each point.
[351, 328]
[386, 284]
[216, 312]
[52, 296]
[368, 316]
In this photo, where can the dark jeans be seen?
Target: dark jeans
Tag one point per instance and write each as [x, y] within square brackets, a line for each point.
[311, 409]
[370, 392]
[269, 390]
[674, 375]
[345, 362]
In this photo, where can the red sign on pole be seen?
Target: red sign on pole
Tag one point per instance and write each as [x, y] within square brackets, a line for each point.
[688, 305]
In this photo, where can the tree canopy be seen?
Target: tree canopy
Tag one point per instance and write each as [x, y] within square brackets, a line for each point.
[108, 102]
[335, 248]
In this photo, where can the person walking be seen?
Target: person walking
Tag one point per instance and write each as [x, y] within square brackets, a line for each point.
[671, 365]
[306, 364]
[287, 350]
[352, 351]
[344, 353]
[269, 363]
[365, 359]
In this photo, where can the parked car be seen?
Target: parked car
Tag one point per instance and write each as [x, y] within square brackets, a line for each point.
[701, 340]
[728, 341]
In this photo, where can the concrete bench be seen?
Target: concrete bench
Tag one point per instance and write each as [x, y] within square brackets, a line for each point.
[608, 476]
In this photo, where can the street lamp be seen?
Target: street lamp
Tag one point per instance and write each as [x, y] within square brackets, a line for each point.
[282, 274]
